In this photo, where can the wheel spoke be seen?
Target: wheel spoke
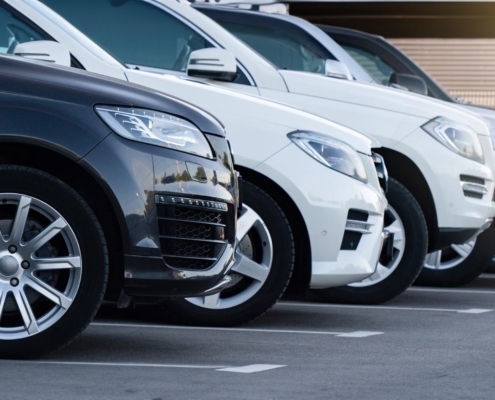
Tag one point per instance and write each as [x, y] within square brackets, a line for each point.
[433, 260]
[211, 301]
[42, 264]
[26, 312]
[3, 296]
[44, 237]
[20, 220]
[245, 222]
[49, 292]
[396, 229]
[250, 268]
[463, 249]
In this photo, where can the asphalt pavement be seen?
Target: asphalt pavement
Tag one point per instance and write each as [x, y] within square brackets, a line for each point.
[428, 343]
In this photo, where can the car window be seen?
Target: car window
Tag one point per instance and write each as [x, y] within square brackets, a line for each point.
[13, 31]
[277, 47]
[372, 63]
[133, 31]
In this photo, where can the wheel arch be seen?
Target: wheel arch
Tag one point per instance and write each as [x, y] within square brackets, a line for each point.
[301, 274]
[404, 170]
[66, 167]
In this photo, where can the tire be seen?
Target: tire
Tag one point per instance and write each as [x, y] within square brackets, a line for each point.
[76, 284]
[394, 276]
[269, 243]
[460, 264]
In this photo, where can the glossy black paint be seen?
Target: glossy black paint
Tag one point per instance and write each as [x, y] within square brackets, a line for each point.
[53, 107]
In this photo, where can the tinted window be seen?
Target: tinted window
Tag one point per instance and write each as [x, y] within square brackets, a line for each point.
[283, 51]
[13, 31]
[372, 63]
[133, 31]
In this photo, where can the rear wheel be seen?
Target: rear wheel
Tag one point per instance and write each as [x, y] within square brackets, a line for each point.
[405, 220]
[460, 263]
[53, 263]
[264, 263]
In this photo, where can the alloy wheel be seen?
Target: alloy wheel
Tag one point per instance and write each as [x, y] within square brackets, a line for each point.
[449, 258]
[254, 256]
[393, 224]
[40, 266]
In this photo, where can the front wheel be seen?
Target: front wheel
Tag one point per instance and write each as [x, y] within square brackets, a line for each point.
[460, 263]
[404, 219]
[53, 263]
[264, 263]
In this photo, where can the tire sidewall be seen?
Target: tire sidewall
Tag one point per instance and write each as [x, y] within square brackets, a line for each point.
[93, 254]
[276, 282]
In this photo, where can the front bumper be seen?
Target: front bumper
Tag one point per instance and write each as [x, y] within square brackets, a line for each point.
[178, 214]
[457, 207]
[328, 201]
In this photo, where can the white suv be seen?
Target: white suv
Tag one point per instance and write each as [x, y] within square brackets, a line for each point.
[312, 196]
[440, 157]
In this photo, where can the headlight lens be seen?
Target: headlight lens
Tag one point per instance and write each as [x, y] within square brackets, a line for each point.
[157, 128]
[457, 137]
[331, 152]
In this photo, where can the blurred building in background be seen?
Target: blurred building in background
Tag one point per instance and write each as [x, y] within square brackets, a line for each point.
[454, 41]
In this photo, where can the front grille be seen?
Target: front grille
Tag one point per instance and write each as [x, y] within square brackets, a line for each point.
[192, 237]
[472, 179]
[473, 186]
[473, 195]
[350, 240]
[355, 228]
[357, 215]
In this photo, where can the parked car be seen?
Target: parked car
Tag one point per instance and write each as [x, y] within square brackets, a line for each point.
[313, 202]
[103, 182]
[460, 263]
[436, 178]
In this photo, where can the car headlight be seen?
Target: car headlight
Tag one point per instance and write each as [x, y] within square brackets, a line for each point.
[157, 128]
[457, 137]
[331, 152]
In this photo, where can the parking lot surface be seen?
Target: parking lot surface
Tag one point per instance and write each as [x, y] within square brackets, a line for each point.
[430, 343]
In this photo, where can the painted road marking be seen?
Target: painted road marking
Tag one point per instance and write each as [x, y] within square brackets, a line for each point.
[117, 364]
[249, 369]
[204, 328]
[467, 311]
[468, 291]
[359, 334]
[475, 311]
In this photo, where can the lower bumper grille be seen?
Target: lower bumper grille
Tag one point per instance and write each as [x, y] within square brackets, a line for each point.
[193, 233]
[473, 186]
[356, 227]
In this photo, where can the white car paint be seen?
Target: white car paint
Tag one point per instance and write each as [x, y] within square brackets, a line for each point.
[258, 131]
[386, 114]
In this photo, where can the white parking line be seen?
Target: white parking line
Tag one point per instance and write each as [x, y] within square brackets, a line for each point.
[249, 369]
[475, 311]
[358, 334]
[467, 311]
[117, 364]
[438, 290]
[488, 276]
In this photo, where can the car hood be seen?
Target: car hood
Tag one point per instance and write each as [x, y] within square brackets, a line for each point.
[237, 109]
[379, 97]
[36, 78]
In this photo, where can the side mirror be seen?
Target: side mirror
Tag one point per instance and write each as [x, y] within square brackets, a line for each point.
[44, 50]
[336, 69]
[212, 63]
[412, 83]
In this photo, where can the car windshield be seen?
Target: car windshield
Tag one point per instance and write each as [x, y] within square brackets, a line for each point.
[133, 31]
[279, 48]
